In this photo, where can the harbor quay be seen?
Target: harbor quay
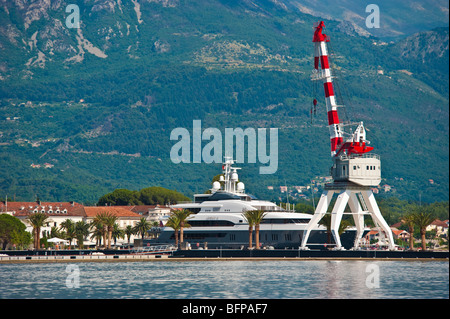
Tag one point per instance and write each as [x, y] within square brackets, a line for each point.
[217, 254]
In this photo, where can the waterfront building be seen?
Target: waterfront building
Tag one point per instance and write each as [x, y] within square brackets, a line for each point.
[58, 212]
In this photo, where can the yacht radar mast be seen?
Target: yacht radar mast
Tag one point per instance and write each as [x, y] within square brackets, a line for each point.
[230, 178]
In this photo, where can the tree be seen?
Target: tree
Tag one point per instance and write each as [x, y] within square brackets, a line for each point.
[37, 221]
[409, 221]
[422, 220]
[248, 216]
[142, 227]
[81, 232]
[117, 233]
[109, 220]
[128, 232]
[106, 221]
[160, 195]
[120, 197]
[97, 232]
[20, 238]
[69, 227]
[12, 230]
[174, 222]
[55, 232]
[183, 216]
[259, 215]
[146, 196]
[326, 221]
[254, 219]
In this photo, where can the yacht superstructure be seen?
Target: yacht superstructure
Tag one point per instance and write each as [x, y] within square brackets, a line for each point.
[218, 222]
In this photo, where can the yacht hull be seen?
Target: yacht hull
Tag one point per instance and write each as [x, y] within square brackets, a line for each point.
[239, 239]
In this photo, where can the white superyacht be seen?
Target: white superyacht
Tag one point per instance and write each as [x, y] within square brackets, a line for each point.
[217, 220]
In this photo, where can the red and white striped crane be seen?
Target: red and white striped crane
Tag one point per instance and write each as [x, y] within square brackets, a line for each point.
[356, 144]
[354, 172]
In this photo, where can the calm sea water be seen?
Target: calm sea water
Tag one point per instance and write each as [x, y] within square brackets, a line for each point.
[227, 279]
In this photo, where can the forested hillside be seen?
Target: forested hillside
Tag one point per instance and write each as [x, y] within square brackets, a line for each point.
[89, 110]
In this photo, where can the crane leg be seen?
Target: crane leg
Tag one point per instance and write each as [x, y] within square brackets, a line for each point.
[358, 217]
[336, 216]
[321, 209]
[374, 211]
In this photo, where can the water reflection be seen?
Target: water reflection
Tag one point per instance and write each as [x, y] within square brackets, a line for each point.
[228, 279]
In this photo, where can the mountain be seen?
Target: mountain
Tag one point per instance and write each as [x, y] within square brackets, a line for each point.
[88, 110]
[398, 19]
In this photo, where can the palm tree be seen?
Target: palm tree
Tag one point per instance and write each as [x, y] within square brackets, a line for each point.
[253, 218]
[258, 217]
[97, 233]
[109, 220]
[326, 222]
[55, 232]
[101, 228]
[129, 231]
[422, 220]
[117, 233]
[174, 222]
[142, 227]
[408, 220]
[81, 232]
[183, 216]
[37, 220]
[69, 228]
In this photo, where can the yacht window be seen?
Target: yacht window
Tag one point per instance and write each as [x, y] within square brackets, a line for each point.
[200, 235]
[222, 196]
[285, 221]
[211, 223]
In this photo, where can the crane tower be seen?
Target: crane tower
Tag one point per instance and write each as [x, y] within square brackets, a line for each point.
[354, 169]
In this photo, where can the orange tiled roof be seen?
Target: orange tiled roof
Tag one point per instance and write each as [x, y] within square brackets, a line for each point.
[23, 209]
[117, 211]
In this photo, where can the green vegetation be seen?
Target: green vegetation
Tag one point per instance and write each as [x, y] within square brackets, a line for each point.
[37, 221]
[147, 196]
[227, 63]
[178, 220]
[254, 219]
[12, 231]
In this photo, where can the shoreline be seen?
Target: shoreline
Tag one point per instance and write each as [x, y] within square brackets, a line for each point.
[156, 258]
[70, 256]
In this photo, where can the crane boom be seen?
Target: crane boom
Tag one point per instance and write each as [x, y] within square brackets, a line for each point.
[357, 143]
